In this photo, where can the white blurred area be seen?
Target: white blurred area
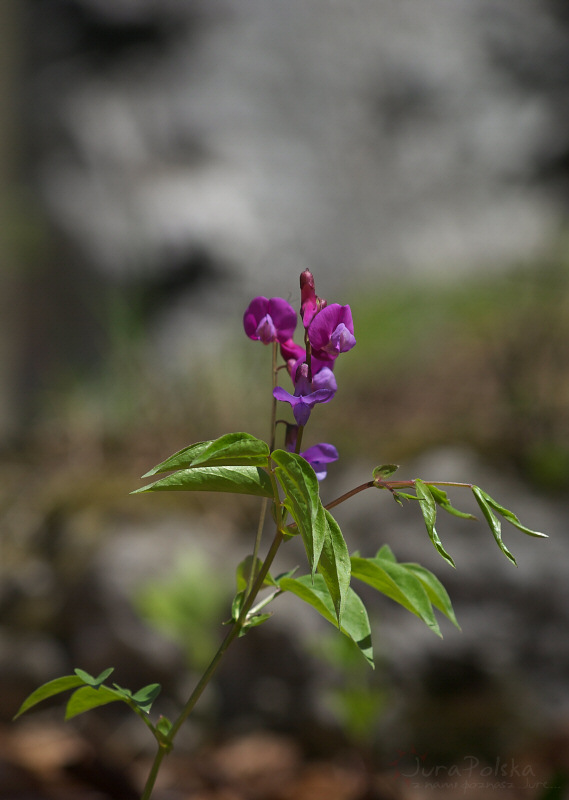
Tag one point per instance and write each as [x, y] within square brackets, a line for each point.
[348, 137]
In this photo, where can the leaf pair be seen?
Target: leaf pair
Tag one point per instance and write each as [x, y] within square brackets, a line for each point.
[430, 495]
[90, 693]
[410, 585]
[233, 463]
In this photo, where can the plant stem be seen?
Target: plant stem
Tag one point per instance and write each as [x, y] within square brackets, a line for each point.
[351, 493]
[391, 485]
[165, 745]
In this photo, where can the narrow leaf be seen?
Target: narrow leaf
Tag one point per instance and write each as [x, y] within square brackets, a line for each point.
[429, 510]
[511, 517]
[49, 689]
[398, 583]
[87, 697]
[384, 552]
[436, 592]
[232, 449]
[355, 622]
[237, 480]
[302, 501]
[441, 499]
[493, 521]
[334, 565]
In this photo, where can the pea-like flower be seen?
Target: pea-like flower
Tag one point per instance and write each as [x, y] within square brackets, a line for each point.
[318, 456]
[306, 394]
[331, 332]
[269, 321]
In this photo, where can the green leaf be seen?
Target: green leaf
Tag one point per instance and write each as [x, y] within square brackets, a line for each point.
[238, 480]
[511, 517]
[302, 501]
[232, 449]
[334, 565]
[237, 605]
[384, 552]
[252, 622]
[163, 727]
[146, 696]
[429, 510]
[87, 698]
[436, 592]
[442, 500]
[355, 622]
[398, 583]
[243, 573]
[90, 680]
[49, 689]
[384, 471]
[493, 521]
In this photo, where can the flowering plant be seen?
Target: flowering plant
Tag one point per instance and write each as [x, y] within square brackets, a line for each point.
[288, 480]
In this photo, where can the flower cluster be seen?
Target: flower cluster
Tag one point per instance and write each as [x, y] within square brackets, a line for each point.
[328, 332]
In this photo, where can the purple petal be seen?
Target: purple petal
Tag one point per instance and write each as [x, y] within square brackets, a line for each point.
[326, 322]
[301, 411]
[324, 379]
[322, 453]
[281, 394]
[284, 317]
[254, 313]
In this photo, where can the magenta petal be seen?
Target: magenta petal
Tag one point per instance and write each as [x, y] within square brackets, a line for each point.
[284, 317]
[325, 323]
[266, 330]
[254, 313]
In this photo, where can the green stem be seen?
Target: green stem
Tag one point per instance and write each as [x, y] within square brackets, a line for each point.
[165, 744]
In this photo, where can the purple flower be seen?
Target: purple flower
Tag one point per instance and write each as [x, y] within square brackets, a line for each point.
[318, 456]
[269, 320]
[331, 332]
[305, 395]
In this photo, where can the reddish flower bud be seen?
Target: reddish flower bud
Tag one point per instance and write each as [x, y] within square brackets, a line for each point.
[310, 303]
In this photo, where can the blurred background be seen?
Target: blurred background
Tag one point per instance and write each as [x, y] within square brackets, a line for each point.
[161, 163]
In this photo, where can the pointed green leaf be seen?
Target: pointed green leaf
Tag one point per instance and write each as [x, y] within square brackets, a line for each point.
[302, 501]
[493, 521]
[334, 565]
[511, 517]
[89, 680]
[429, 510]
[49, 689]
[252, 622]
[436, 592]
[441, 499]
[400, 584]
[243, 573]
[232, 449]
[238, 480]
[87, 698]
[146, 696]
[384, 471]
[384, 552]
[355, 622]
